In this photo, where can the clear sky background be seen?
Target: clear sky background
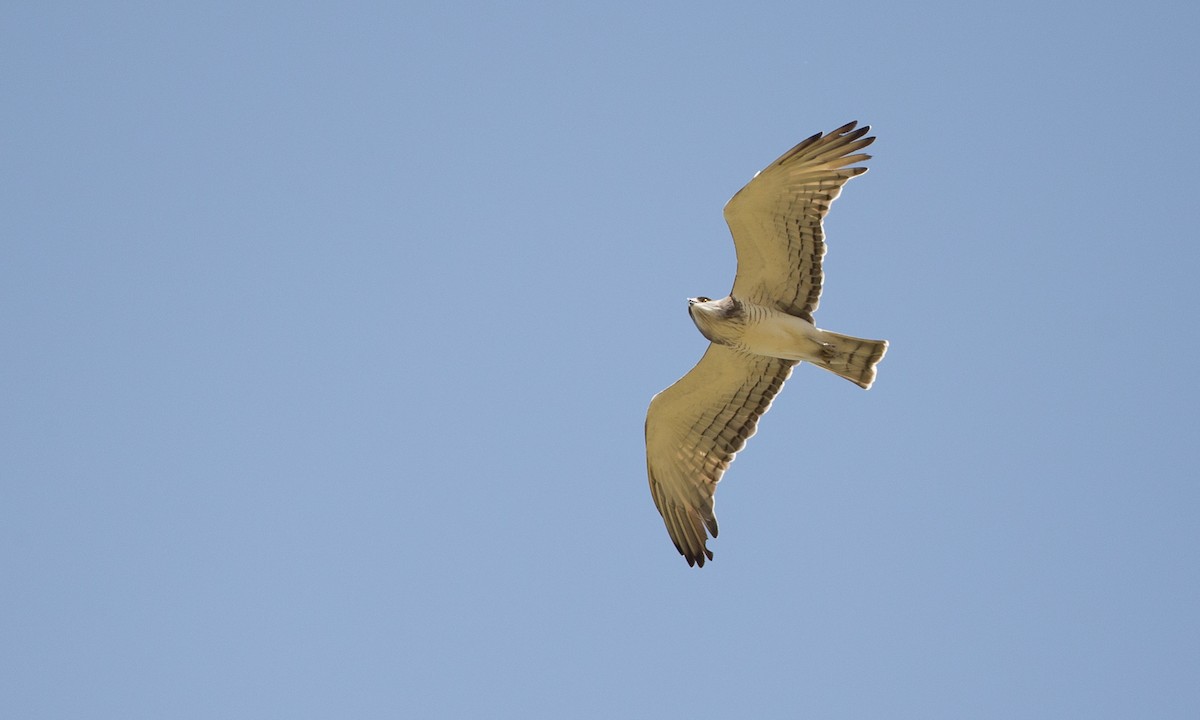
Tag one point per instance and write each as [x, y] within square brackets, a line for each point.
[328, 331]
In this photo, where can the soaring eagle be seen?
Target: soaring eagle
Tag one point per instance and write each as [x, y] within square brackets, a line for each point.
[757, 333]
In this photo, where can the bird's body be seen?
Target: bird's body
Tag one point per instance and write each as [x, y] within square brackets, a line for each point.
[757, 334]
[764, 330]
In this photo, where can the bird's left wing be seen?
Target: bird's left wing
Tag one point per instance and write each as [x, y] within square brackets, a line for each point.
[776, 220]
[693, 430]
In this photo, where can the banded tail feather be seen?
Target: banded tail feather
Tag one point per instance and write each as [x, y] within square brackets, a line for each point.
[852, 358]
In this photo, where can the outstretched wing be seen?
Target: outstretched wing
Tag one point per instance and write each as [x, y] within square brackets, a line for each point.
[776, 220]
[693, 430]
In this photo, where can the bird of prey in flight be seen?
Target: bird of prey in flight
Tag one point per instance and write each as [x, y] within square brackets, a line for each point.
[756, 334]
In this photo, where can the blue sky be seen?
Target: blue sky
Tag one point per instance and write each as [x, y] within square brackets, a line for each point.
[329, 331]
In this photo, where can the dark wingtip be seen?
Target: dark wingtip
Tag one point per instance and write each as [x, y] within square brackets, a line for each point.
[697, 560]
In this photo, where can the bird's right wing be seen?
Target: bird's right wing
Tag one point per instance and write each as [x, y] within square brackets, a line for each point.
[693, 430]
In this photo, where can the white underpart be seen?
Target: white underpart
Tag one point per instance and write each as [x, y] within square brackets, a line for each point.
[776, 334]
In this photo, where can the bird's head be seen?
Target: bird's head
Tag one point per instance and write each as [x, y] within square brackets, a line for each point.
[727, 309]
[693, 302]
[706, 313]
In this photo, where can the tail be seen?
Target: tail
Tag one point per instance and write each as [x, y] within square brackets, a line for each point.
[850, 357]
